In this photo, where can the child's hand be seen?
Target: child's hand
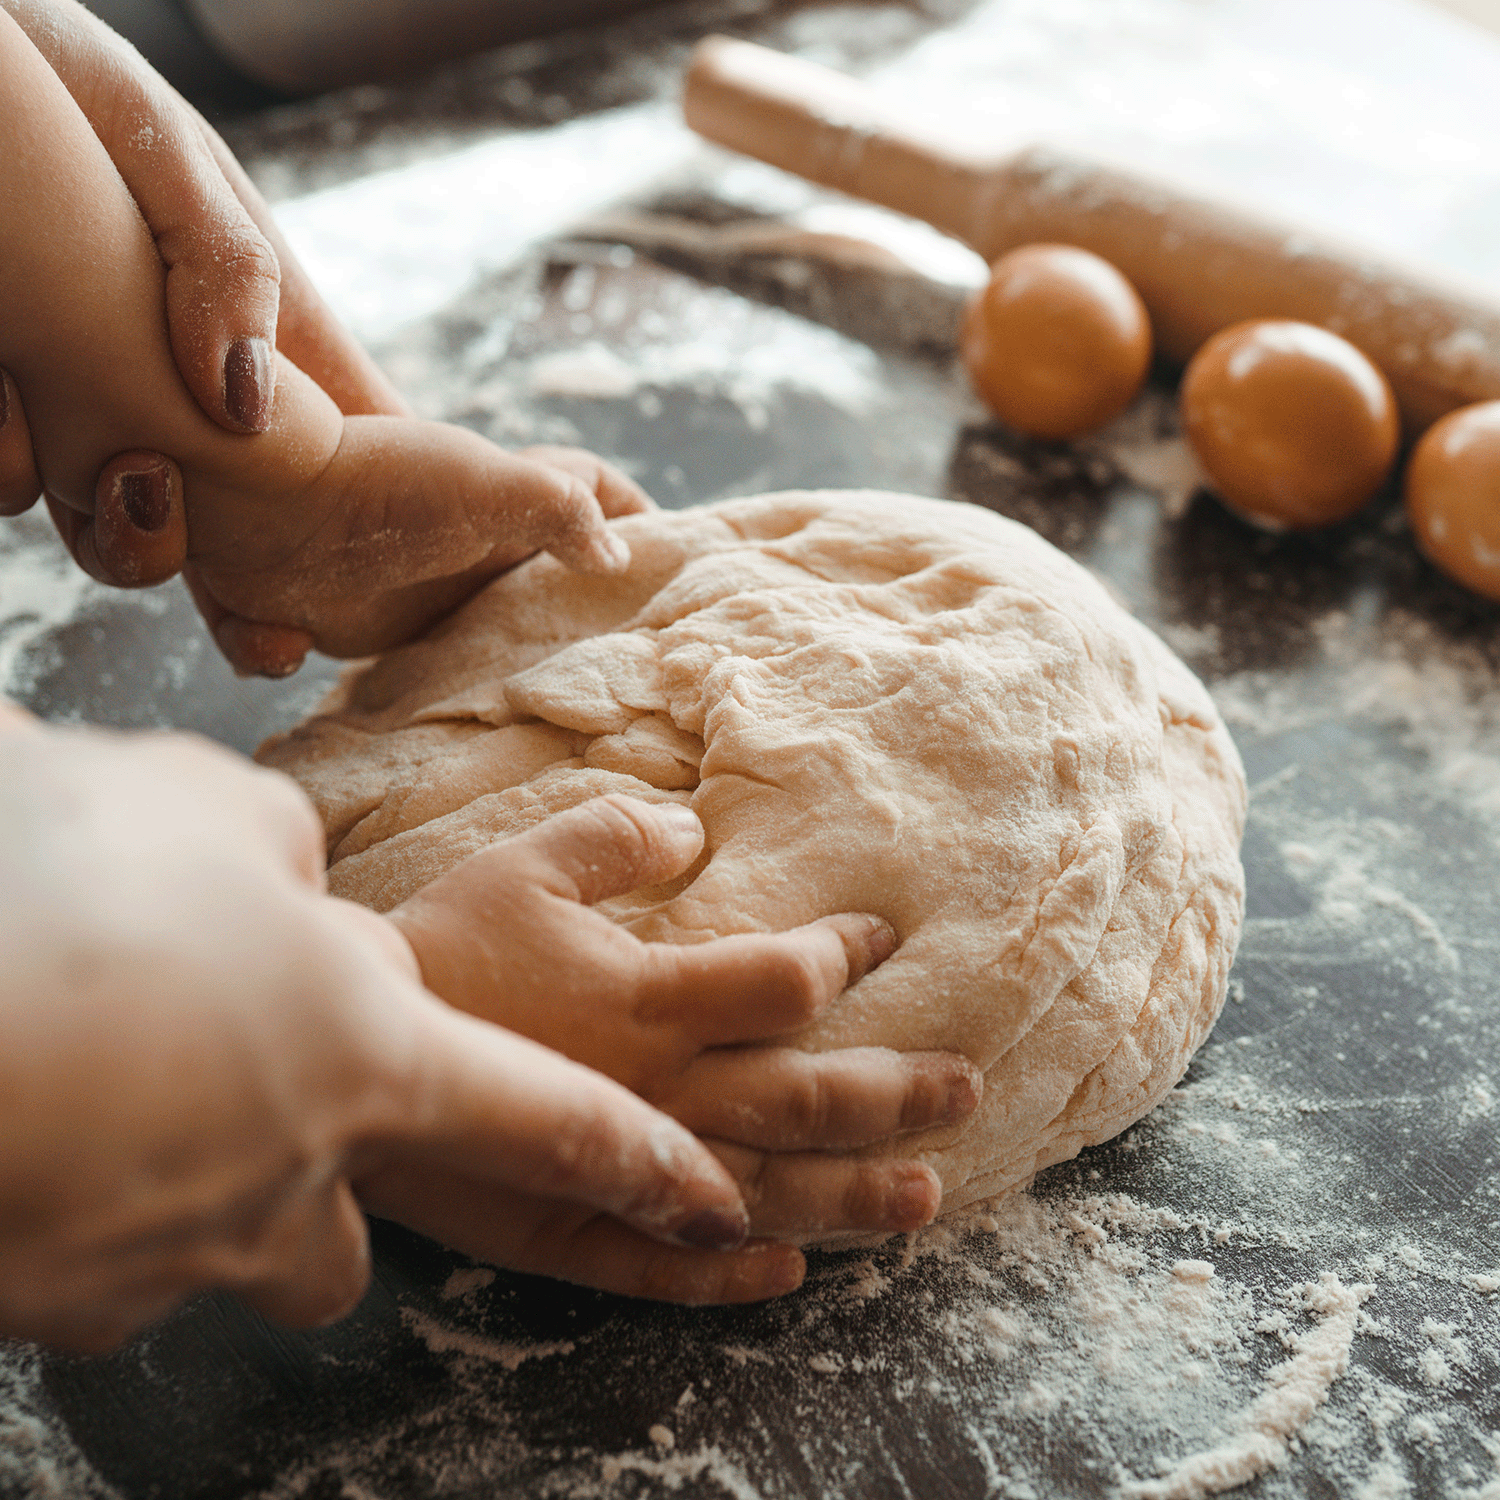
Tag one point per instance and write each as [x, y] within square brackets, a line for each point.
[406, 521]
[509, 936]
[200, 1053]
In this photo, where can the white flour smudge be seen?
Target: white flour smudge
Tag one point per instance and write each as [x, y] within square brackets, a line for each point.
[41, 589]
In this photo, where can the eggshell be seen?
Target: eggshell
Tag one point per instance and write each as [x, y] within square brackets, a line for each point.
[1293, 426]
[1058, 342]
[1453, 496]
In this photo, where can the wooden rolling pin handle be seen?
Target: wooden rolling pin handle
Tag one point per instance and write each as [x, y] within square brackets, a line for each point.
[830, 129]
[1198, 264]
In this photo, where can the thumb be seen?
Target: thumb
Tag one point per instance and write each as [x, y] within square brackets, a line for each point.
[252, 647]
[496, 1107]
[137, 534]
[223, 275]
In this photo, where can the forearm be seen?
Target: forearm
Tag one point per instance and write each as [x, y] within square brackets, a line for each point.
[83, 327]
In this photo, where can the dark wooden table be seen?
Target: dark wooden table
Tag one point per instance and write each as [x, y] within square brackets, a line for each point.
[1342, 1121]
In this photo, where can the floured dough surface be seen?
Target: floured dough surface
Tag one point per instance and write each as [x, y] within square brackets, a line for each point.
[874, 703]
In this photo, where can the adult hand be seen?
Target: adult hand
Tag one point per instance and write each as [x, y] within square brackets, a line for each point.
[509, 935]
[235, 294]
[202, 1053]
[235, 291]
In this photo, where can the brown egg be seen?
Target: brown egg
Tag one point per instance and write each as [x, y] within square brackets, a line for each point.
[1292, 424]
[1453, 496]
[1058, 342]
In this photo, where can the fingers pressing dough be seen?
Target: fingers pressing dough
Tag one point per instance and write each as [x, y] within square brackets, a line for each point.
[874, 703]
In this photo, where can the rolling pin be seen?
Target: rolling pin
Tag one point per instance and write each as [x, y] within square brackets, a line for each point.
[1198, 264]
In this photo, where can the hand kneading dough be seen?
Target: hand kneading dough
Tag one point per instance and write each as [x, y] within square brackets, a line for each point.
[874, 703]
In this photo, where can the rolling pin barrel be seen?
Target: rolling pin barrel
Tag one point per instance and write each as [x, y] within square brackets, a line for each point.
[1198, 265]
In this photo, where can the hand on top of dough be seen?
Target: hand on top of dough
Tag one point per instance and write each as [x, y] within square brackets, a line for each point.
[407, 520]
[509, 936]
[206, 1058]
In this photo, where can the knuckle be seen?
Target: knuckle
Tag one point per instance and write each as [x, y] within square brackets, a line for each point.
[249, 258]
[865, 1196]
[571, 503]
[754, 1175]
[624, 826]
[798, 984]
[924, 1096]
[580, 509]
[662, 1276]
[587, 1151]
[497, 868]
[808, 1104]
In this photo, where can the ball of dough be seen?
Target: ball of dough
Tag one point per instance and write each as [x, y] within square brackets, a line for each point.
[1058, 342]
[874, 703]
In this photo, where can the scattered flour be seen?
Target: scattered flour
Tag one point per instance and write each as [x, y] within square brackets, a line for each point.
[723, 347]
[1063, 1328]
[41, 590]
[464, 1283]
[1145, 445]
[38, 1460]
[1436, 694]
[672, 1473]
[1295, 1390]
[442, 1339]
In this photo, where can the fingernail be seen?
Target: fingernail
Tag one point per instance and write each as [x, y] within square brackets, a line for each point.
[247, 383]
[787, 1278]
[882, 940]
[962, 1101]
[715, 1229]
[910, 1204]
[145, 498]
[680, 819]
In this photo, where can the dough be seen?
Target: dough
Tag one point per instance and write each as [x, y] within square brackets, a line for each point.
[874, 703]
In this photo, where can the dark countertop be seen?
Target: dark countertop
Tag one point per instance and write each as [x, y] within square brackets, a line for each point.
[1342, 1120]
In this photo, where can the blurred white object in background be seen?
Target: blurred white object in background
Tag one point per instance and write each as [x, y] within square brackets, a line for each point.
[304, 48]
[222, 50]
[1481, 12]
